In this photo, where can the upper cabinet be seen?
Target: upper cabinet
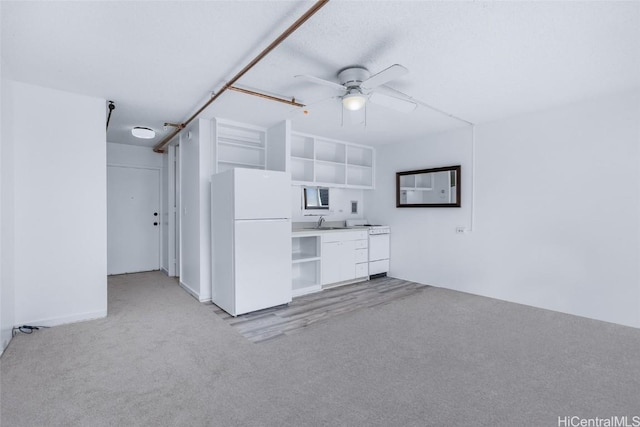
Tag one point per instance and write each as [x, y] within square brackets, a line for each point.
[328, 162]
[238, 145]
[311, 159]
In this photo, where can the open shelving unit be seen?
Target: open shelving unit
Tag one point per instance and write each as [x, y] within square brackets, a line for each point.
[359, 166]
[305, 267]
[238, 145]
[302, 158]
[422, 182]
[322, 161]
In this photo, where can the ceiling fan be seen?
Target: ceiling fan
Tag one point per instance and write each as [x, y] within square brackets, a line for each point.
[359, 86]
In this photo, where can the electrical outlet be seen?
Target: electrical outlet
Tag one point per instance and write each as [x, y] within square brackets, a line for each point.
[461, 230]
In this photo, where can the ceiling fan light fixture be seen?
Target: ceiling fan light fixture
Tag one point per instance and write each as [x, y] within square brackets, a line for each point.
[143, 132]
[354, 100]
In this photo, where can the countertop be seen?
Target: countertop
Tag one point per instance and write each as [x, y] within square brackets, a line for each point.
[318, 231]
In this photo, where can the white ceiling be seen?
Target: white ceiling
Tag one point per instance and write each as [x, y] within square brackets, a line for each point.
[481, 61]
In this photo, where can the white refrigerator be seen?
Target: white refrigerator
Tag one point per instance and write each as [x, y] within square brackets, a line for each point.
[251, 239]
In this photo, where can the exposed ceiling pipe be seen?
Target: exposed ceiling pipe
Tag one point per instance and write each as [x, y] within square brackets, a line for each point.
[291, 101]
[159, 147]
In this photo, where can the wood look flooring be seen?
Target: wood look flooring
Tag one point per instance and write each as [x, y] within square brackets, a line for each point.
[306, 310]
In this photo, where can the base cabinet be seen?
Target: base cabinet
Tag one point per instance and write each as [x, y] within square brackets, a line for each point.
[338, 262]
[343, 257]
[305, 265]
[323, 259]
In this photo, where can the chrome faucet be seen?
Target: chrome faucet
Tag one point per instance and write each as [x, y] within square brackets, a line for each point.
[320, 221]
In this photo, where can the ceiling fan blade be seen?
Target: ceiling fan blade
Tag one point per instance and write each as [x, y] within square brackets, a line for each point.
[320, 81]
[398, 104]
[384, 76]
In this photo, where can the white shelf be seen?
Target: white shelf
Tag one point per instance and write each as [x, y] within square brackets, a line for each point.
[322, 161]
[304, 159]
[359, 166]
[359, 176]
[233, 143]
[302, 147]
[330, 151]
[302, 169]
[422, 182]
[305, 263]
[304, 289]
[238, 145]
[329, 172]
[242, 164]
[305, 275]
[299, 283]
[329, 162]
[298, 257]
[359, 156]
[416, 189]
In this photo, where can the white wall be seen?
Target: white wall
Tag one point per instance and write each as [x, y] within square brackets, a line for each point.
[195, 200]
[205, 170]
[60, 206]
[556, 211]
[339, 204]
[132, 155]
[7, 279]
[145, 157]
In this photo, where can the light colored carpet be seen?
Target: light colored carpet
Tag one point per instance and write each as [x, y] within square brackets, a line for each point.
[438, 358]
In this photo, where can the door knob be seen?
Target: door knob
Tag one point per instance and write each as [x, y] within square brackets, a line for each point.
[155, 214]
[155, 223]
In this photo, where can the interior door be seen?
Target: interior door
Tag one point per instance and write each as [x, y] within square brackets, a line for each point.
[133, 219]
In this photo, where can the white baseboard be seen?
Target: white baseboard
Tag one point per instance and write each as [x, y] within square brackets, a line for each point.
[165, 271]
[193, 293]
[5, 345]
[189, 290]
[56, 321]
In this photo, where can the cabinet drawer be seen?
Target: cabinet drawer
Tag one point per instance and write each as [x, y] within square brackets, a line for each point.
[362, 255]
[360, 235]
[362, 244]
[362, 269]
[343, 236]
[335, 236]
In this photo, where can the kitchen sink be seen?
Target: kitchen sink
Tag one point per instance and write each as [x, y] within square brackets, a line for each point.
[321, 228]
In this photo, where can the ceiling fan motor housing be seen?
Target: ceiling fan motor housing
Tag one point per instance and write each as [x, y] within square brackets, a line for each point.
[353, 76]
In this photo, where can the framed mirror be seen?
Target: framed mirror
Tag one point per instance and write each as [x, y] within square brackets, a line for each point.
[428, 188]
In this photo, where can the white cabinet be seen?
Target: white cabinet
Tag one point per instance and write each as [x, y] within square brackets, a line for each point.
[326, 258]
[310, 159]
[360, 169]
[417, 182]
[338, 262]
[323, 161]
[344, 256]
[305, 260]
[238, 145]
